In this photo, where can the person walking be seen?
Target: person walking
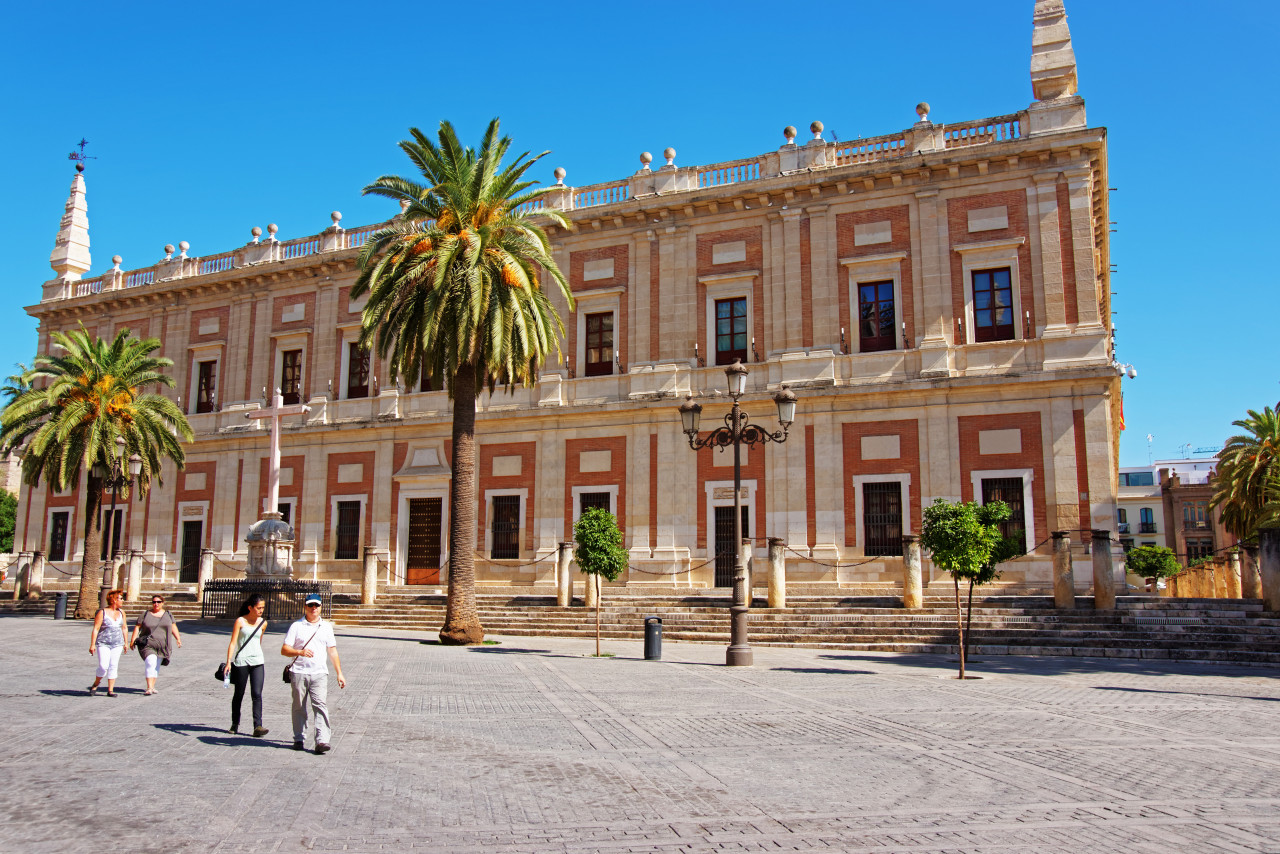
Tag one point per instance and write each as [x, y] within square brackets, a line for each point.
[310, 673]
[246, 661]
[153, 636]
[107, 642]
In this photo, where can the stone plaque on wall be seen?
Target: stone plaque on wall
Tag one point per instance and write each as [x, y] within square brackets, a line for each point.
[508, 466]
[601, 268]
[871, 233]
[728, 253]
[725, 493]
[351, 473]
[589, 461]
[1000, 441]
[881, 447]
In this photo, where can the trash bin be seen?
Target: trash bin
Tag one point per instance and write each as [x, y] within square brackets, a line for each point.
[60, 607]
[652, 638]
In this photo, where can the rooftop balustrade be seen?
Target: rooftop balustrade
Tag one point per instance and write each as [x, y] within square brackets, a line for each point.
[793, 157]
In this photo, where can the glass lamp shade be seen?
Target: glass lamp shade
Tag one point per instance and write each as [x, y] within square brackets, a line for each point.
[120, 444]
[99, 471]
[135, 465]
[786, 401]
[690, 415]
[737, 376]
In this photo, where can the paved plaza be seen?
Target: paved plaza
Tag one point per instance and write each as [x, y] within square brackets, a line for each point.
[532, 745]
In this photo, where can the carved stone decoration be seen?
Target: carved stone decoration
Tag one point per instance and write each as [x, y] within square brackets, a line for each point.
[1053, 62]
[70, 257]
[270, 541]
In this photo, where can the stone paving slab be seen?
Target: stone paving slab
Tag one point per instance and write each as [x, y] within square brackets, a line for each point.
[534, 746]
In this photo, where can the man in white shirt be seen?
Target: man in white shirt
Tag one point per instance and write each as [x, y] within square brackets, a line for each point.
[311, 673]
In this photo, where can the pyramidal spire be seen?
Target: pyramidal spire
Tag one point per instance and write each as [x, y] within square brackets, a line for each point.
[70, 258]
[1053, 62]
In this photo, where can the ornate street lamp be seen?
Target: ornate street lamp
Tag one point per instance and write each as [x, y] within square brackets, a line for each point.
[738, 432]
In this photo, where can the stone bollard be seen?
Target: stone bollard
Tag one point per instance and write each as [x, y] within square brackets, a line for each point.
[912, 573]
[133, 587]
[593, 590]
[777, 573]
[119, 566]
[1064, 578]
[1233, 575]
[564, 581]
[1104, 576]
[206, 572]
[1269, 567]
[369, 583]
[1250, 584]
[35, 575]
[22, 576]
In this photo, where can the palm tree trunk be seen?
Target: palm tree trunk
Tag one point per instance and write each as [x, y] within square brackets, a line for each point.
[462, 620]
[90, 561]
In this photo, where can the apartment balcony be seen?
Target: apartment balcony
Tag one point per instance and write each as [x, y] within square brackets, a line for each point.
[1146, 527]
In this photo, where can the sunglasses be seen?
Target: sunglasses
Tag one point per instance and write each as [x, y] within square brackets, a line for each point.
[313, 604]
[157, 601]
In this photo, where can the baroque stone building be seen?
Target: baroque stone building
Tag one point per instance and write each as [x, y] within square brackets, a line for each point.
[938, 298]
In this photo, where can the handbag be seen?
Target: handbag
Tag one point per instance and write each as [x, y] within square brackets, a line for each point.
[221, 673]
[288, 668]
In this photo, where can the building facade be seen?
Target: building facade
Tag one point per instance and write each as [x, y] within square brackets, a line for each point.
[938, 298]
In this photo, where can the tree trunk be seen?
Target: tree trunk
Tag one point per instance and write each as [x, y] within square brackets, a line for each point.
[595, 579]
[90, 561]
[968, 621]
[462, 620]
[955, 579]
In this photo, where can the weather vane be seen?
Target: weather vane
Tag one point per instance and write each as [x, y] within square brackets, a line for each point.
[79, 156]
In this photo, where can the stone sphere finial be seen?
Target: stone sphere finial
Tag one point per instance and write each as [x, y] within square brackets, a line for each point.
[645, 159]
[816, 127]
[168, 251]
[272, 228]
[256, 232]
[336, 216]
[559, 173]
[117, 260]
[670, 154]
[790, 133]
[922, 110]
[79, 167]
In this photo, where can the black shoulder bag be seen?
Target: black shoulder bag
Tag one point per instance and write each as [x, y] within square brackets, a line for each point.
[221, 673]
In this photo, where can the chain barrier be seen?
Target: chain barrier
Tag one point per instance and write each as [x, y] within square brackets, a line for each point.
[631, 568]
[516, 565]
[231, 567]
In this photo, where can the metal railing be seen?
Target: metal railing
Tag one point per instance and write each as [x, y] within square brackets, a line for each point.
[223, 597]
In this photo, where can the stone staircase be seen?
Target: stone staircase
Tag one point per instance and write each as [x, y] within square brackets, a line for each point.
[1140, 627]
[1225, 630]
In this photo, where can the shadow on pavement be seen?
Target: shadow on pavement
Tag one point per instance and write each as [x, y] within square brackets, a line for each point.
[1034, 665]
[223, 738]
[836, 671]
[1184, 693]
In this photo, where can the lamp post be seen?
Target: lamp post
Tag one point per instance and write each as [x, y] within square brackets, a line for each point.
[738, 432]
[117, 475]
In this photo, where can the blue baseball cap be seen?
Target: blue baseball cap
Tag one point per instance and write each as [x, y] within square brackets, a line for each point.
[313, 599]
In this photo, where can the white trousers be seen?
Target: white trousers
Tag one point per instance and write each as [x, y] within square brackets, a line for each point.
[152, 664]
[108, 660]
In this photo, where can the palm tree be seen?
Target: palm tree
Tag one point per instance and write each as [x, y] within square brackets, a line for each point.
[455, 294]
[92, 395]
[1248, 478]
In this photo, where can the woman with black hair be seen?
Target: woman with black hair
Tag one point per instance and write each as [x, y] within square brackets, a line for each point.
[246, 662]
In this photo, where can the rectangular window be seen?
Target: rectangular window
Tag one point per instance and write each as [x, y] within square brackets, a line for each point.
[291, 376]
[357, 371]
[1146, 521]
[206, 386]
[992, 305]
[111, 530]
[1008, 490]
[347, 539]
[1122, 515]
[1195, 516]
[599, 344]
[587, 500]
[286, 512]
[1198, 548]
[876, 317]
[422, 563]
[1137, 478]
[1126, 544]
[58, 524]
[882, 518]
[506, 527]
[731, 330]
[426, 383]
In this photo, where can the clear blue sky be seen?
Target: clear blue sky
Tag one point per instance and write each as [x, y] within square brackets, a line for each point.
[210, 119]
